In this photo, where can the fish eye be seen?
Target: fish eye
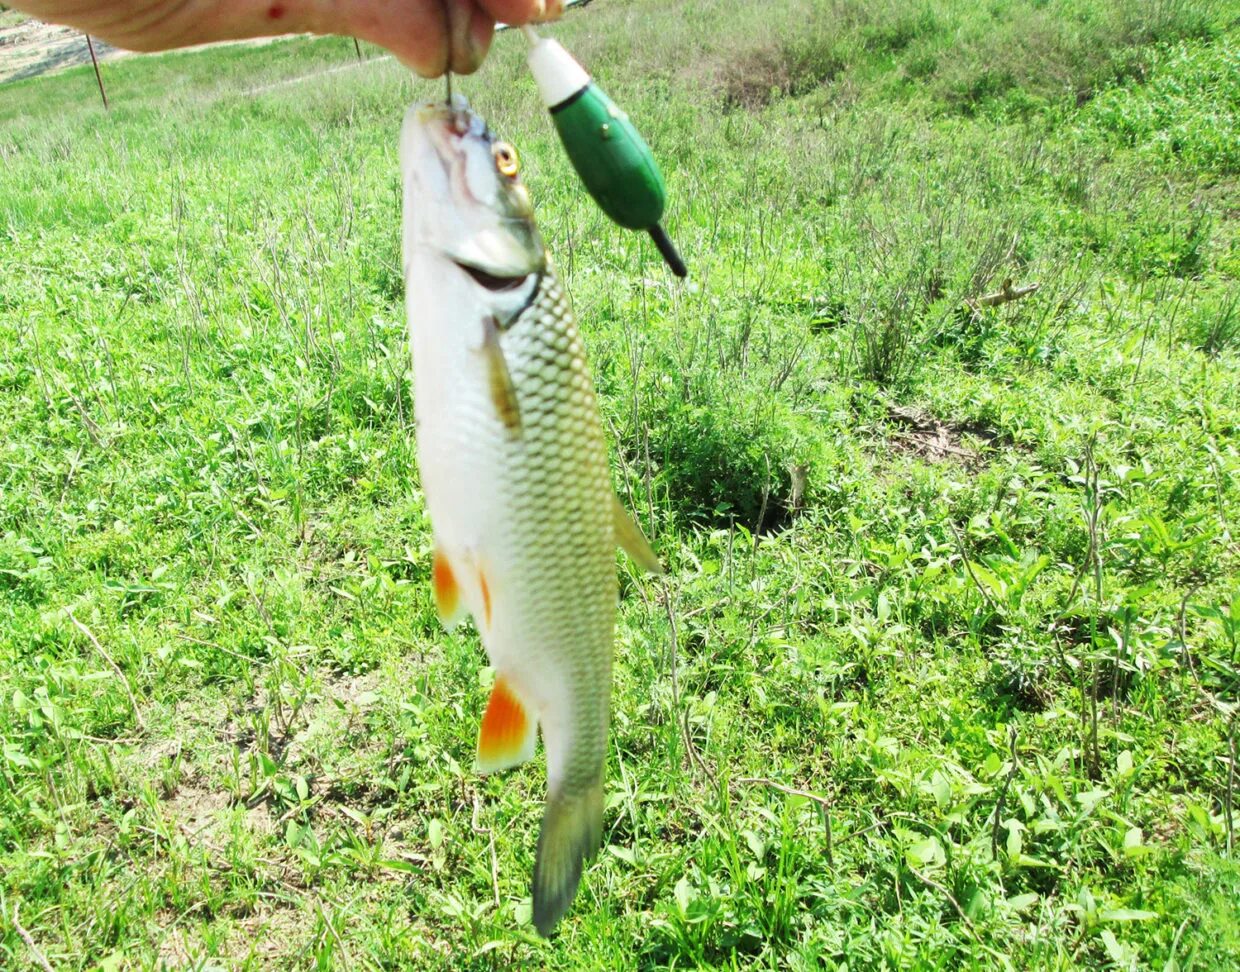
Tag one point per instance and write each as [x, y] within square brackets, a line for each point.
[506, 159]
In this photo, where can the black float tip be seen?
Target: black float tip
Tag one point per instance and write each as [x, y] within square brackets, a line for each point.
[667, 250]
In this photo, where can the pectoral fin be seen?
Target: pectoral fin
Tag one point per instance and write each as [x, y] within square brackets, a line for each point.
[632, 541]
[448, 602]
[506, 736]
[499, 380]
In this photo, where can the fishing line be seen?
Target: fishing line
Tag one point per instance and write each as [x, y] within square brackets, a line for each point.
[447, 27]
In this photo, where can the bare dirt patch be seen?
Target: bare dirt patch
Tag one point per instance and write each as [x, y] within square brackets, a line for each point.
[934, 440]
[765, 75]
[270, 933]
[32, 47]
[197, 808]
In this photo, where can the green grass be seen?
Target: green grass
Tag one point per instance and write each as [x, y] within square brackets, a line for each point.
[967, 703]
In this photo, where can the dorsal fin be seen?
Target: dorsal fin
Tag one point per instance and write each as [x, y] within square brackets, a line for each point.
[632, 541]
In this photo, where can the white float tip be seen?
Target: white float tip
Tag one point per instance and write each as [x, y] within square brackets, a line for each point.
[556, 72]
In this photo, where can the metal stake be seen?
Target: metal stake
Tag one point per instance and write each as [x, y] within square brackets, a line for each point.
[98, 77]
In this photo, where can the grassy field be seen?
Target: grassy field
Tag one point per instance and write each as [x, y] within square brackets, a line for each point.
[945, 670]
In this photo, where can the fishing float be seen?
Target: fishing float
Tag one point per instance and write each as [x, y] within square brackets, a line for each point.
[606, 149]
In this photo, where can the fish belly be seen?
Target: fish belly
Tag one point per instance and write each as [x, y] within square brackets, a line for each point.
[524, 517]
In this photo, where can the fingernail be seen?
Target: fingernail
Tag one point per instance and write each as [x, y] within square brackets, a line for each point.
[475, 42]
[550, 10]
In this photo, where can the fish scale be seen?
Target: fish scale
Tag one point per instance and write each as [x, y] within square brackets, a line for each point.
[556, 497]
[558, 491]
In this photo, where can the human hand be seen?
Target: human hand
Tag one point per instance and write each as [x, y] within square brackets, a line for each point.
[430, 36]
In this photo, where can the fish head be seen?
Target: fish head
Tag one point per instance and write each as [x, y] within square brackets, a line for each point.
[464, 199]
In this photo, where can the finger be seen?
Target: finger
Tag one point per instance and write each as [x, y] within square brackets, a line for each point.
[469, 35]
[417, 32]
[156, 25]
[514, 11]
[414, 30]
[554, 10]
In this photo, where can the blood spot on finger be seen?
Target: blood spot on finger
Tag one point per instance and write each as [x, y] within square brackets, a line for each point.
[275, 11]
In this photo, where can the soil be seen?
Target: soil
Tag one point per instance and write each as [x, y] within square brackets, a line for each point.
[934, 440]
[31, 48]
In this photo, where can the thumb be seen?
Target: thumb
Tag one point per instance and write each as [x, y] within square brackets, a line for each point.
[429, 36]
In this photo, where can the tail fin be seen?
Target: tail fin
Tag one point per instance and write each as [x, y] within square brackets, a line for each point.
[572, 827]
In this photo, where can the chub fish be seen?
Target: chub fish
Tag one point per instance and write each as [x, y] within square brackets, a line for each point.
[514, 467]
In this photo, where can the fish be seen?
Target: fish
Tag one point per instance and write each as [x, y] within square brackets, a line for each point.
[514, 469]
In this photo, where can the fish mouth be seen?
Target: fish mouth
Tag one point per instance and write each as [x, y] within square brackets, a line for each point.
[494, 282]
[450, 129]
[450, 126]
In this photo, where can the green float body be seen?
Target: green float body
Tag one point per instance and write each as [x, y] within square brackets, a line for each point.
[612, 158]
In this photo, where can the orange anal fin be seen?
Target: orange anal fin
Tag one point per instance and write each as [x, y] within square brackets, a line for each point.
[448, 600]
[506, 737]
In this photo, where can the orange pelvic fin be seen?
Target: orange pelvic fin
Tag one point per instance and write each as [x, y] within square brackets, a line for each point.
[448, 600]
[506, 737]
[485, 589]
